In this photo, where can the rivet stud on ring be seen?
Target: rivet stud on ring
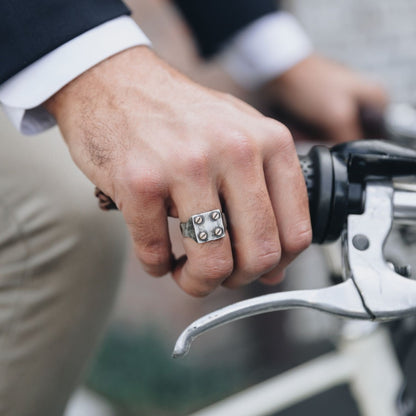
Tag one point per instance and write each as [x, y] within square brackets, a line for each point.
[204, 227]
[215, 215]
[203, 236]
[199, 219]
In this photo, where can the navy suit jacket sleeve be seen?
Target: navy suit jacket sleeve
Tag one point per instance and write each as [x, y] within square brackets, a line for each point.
[30, 29]
[213, 22]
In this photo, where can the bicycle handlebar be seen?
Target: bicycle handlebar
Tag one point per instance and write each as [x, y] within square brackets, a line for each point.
[335, 180]
[353, 181]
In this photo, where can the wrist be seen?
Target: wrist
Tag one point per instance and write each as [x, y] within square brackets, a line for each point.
[87, 85]
[22, 95]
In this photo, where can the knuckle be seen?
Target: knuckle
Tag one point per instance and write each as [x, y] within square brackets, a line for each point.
[276, 128]
[279, 138]
[196, 165]
[261, 262]
[215, 270]
[299, 239]
[241, 149]
[285, 139]
[153, 254]
[142, 181]
[148, 183]
[198, 291]
[286, 135]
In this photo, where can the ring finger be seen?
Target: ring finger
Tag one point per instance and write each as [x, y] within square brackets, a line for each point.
[207, 264]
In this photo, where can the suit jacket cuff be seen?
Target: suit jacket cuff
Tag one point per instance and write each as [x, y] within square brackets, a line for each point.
[22, 95]
[265, 49]
[213, 22]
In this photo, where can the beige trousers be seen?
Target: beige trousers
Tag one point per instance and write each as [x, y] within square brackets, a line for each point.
[60, 262]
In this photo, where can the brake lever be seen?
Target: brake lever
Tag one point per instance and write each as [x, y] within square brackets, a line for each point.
[350, 193]
[342, 299]
[385, 293]
[371, 290]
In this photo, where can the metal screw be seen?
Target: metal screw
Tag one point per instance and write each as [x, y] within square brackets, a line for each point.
[215, 215]
[203, 235]
[360, 242]
[218, 231]
[198, 220]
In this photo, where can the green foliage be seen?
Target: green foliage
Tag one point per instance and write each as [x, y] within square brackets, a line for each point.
[136, 371]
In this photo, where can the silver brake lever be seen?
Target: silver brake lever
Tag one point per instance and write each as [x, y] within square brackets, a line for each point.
[385, 294]
[371, 289]
[342, 299]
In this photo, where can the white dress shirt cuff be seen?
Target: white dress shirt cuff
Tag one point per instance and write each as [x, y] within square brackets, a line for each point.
[22, 95]
[265, 49]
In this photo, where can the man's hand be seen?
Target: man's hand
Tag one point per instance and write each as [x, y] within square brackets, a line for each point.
[327, 95]
[159, 144]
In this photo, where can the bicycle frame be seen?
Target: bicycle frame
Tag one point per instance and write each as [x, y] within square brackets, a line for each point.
[356, 362]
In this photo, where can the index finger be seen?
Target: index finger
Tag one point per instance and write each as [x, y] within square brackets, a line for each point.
[287, 190]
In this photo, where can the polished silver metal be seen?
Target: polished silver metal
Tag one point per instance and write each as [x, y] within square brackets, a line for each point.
[215, 215]
[385, 294]
[342, 299]
[203, 236]
[404, 203]
[219, 231]
[204, 227]
[199, 219]
[371, 290]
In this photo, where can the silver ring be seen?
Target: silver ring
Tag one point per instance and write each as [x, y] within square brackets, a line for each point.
[204, 227]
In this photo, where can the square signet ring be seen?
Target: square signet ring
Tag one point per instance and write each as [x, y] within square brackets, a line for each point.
[204, 227]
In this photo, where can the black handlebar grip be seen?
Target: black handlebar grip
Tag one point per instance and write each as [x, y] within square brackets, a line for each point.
[308, 171]
[317, 168]
[318, 173]
[328, 192]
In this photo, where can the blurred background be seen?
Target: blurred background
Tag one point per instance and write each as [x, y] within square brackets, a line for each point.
[133, 369]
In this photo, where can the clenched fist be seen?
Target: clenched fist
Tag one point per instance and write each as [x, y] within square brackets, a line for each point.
[160, 145]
